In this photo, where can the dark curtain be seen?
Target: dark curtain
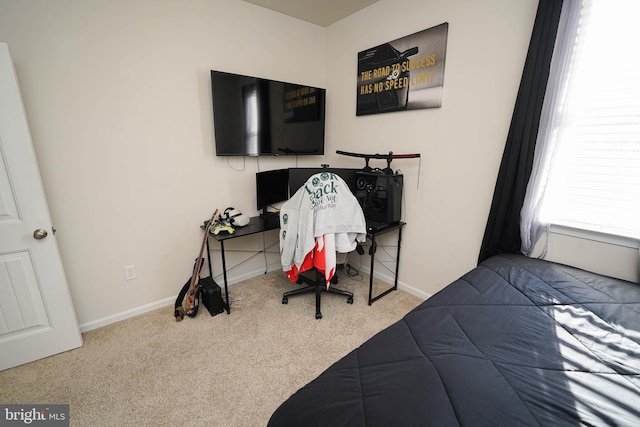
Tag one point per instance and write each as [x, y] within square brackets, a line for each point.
[503, 226]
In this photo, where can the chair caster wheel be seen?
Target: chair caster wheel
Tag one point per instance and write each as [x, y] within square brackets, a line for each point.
[285, 300]
[350, 300]
[318, 315]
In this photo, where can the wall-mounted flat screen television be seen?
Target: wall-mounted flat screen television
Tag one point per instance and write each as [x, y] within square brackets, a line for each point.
[260, 117]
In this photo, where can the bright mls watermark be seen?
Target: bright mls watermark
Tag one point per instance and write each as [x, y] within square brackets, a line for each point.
[37, 415]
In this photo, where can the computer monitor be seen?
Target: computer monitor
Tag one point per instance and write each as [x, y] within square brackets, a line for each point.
[298, 176]
[271, 187]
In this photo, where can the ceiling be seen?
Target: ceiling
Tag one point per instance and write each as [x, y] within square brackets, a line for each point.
[320, 12]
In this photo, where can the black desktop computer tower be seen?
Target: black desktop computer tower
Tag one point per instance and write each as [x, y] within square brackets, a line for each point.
[380, 195]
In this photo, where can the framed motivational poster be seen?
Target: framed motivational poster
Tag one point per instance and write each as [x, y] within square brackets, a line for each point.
[403, 74]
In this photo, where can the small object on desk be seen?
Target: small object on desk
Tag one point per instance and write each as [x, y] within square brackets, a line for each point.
[233, 216]
[217, 229]
[373, 226]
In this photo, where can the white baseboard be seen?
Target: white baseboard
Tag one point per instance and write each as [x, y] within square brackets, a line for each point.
[127, 314]
[388, 278]
[249, 275]
[95, 324]
[414, 291]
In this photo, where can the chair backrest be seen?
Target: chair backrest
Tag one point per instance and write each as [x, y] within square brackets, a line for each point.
[323, 205]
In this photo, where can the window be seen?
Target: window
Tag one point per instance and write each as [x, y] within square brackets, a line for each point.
[589, 152]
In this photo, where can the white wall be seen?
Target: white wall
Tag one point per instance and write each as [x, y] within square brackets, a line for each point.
[461, 143]
[118, 98]
[604, 254]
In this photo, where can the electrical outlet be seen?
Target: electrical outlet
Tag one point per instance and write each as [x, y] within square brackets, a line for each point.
[129, 272]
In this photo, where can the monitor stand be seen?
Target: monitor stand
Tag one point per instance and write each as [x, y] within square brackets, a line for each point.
[269, 215]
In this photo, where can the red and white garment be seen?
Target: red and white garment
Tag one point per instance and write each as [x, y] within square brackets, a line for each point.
[323, 217]
[322, 257]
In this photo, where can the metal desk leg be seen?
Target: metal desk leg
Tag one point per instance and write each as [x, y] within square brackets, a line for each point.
[224, 273]
[372, 254]
[264, 253]
[209, 258]
[395, 284]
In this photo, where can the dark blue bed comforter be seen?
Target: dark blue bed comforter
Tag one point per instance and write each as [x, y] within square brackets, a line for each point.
[516, 341]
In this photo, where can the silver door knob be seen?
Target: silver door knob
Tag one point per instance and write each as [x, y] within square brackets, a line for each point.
[40, 234]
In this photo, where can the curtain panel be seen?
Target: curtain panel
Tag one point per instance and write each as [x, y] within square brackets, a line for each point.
[502, 233]
[531, 225]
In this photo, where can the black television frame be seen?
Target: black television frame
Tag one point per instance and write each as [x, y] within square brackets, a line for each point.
[255, 116]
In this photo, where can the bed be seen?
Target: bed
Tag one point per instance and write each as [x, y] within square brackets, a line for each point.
[516, 341]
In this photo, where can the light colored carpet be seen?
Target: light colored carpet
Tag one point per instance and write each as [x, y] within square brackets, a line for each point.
[225, 370]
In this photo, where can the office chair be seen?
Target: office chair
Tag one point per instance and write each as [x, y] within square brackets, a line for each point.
[316, 284]
[322, 217]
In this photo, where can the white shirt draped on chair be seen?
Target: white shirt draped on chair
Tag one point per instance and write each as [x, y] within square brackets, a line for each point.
[323, 217]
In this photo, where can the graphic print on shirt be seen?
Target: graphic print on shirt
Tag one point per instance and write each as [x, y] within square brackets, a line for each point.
[323, 191]
[285, 220]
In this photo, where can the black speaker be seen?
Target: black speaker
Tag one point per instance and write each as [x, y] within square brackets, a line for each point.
[380, 195]
[211, 295]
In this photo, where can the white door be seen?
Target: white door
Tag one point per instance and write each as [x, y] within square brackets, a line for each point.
[37, 318]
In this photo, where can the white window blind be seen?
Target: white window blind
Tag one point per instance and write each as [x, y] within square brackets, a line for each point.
[594, 178]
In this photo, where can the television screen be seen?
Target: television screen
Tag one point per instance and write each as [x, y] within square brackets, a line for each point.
[256, 117]
[271, 187]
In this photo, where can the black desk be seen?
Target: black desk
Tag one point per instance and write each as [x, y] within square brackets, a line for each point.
[371, 235]
[259, 224]
[256, 225]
